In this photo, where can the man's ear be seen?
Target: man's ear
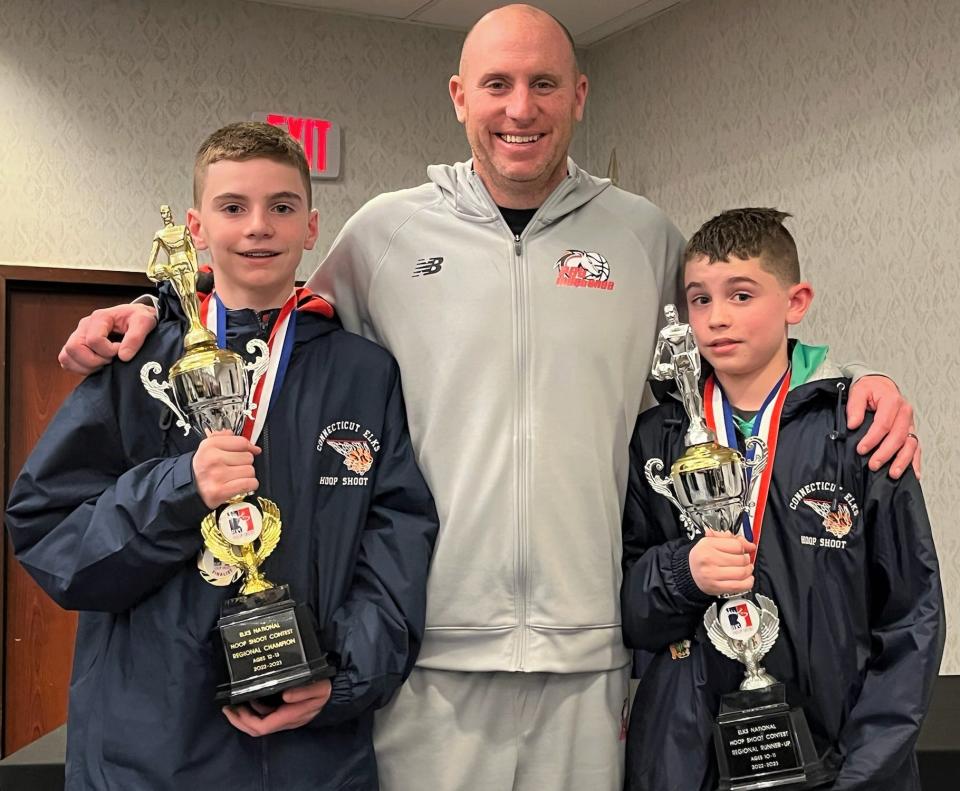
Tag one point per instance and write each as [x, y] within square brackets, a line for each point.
[458, 97]
[196, 229]
[581, 95]
[799, 299]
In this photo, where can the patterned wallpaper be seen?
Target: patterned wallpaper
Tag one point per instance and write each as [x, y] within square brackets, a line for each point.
[104, 102]
[844, 112]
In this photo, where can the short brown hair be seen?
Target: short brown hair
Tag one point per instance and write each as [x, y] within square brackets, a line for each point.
[748, 233]
[249, 140]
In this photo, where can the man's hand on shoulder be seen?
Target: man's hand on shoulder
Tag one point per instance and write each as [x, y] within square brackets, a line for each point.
[300, 705]
[92, 344]
[892, 434]
[720, 564]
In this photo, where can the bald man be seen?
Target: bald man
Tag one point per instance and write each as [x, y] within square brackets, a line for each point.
[521, 297]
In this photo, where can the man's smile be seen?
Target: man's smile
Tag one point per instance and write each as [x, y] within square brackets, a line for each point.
[518, 139]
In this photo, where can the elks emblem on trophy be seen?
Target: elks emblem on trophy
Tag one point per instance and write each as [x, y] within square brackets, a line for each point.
[269, 641]
[760, 740]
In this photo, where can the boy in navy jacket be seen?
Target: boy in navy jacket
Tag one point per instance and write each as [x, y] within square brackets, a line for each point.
[846, 553]
[105, 516]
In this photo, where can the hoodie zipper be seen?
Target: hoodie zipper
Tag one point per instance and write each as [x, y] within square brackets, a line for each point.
[522, 449]
[523, 422]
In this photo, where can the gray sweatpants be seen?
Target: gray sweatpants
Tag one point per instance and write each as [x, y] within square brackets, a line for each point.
[453, 731]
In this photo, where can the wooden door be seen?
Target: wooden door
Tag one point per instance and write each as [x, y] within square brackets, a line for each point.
[40, 308]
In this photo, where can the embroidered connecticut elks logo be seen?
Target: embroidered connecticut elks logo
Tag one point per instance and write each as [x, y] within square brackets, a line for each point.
[836, 519]
[356, 454]
[357, 447]
[580, 269]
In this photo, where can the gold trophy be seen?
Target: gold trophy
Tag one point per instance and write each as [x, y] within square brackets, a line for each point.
[760, 741]
[269, 641]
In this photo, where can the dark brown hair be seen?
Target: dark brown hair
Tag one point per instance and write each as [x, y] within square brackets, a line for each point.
[748, 233]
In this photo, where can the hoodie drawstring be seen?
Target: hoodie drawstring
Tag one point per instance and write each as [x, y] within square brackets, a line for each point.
[838, 435]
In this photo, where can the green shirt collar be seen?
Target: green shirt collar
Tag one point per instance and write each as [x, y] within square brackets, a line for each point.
[803, 362]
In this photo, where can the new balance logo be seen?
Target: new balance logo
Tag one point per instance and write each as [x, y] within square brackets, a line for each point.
[427, 266]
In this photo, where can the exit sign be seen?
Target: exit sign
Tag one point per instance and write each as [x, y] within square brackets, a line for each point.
[320, 140]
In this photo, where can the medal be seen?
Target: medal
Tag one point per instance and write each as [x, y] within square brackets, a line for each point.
[215, 572]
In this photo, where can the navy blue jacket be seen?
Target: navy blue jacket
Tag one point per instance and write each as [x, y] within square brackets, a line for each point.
[861, 608]
[105, 516]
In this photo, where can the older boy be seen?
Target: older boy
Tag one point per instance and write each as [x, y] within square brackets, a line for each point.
[105, 515]
[845, 552]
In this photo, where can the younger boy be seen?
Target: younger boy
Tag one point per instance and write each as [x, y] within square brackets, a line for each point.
[845, 553]
[106, 512]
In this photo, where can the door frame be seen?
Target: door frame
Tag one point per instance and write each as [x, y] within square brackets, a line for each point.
[15, 278]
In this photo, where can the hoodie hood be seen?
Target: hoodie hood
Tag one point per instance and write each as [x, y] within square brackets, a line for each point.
[465, 194]
[823, 381]
[315, 316]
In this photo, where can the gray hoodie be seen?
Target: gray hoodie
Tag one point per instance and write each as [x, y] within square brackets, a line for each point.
[524, 361]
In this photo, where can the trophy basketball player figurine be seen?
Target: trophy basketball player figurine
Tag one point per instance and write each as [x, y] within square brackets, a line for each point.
[760, 741]
[269, 641]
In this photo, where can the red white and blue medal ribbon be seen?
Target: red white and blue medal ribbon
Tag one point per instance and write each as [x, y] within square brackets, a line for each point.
[280, 344]
[766, 426]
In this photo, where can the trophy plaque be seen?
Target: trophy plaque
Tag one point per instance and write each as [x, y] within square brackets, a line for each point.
[269, 641]
[760, 741]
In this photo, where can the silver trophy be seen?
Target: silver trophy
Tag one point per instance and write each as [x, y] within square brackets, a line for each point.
[708, 486]
[708, 483]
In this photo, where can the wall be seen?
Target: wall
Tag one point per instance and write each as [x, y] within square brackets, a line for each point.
[845, 113]
[104, 102]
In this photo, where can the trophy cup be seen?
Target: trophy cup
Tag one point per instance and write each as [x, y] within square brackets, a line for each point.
[760, 741]
[269, 641]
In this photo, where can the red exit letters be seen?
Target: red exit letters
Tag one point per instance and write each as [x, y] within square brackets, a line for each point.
[320, 140]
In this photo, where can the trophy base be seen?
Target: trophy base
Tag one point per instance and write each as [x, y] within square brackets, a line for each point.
[763, 743]
[270, 643]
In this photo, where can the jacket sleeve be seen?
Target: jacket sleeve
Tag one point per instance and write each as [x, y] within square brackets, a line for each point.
[95, 532]
[660, 603]
[378, 631]
[855, 370]
[907, 635]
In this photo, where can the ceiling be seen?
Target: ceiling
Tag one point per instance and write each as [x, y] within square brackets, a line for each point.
[589, 22]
